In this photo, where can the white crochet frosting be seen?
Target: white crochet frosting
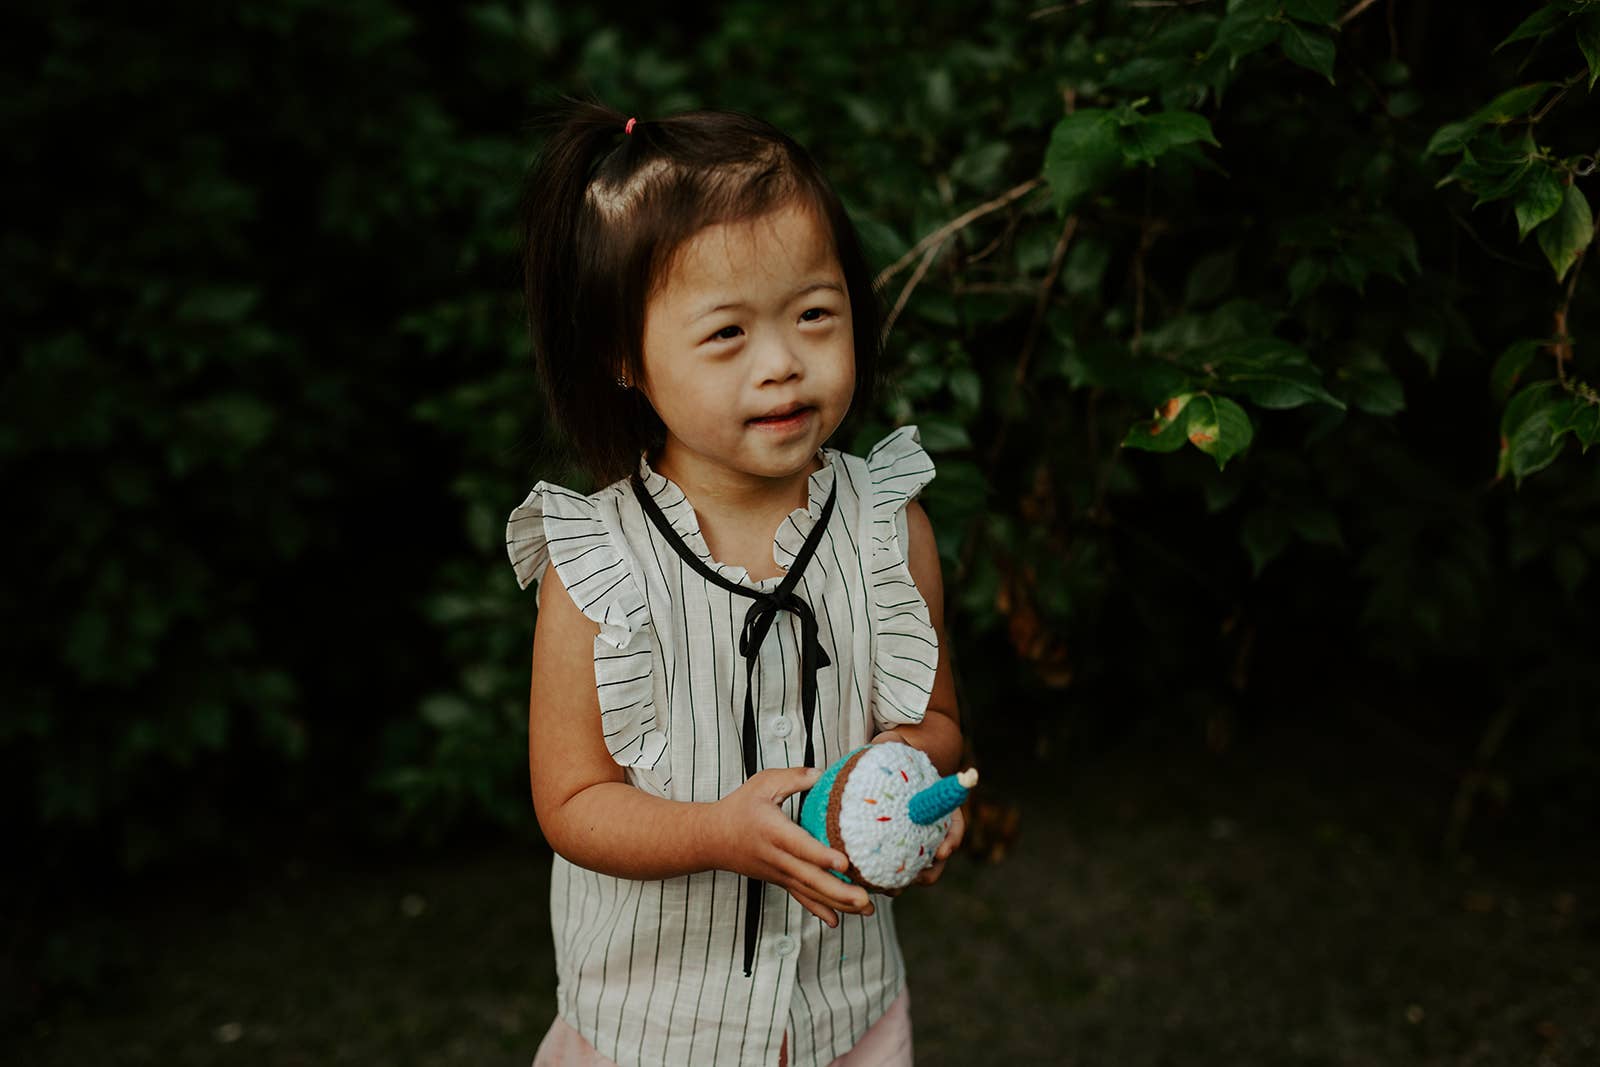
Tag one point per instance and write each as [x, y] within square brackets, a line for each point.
[874, 827]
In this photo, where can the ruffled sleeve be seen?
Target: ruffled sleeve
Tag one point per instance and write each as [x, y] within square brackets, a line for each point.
[581, 536]
[906, 651]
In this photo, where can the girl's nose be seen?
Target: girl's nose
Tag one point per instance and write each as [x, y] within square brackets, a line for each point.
[778, 360]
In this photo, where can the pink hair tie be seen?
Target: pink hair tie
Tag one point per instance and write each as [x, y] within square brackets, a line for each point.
[629, 127]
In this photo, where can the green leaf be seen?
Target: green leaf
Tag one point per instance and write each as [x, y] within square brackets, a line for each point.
[981, 167]
[1211, 277]
[942, 435]
[235, 422]
[1085, 267]
[1150, 381]
[1273, 374]
[1151, 135]
[941, 93]
[1567, 233]
[1510, 365]
[1404, 104]
[1537, 24]
[1108, 363]
[1372, 386]
[1248, 27]
[1239, 320]
[1304, 277]
[921, 381]
[1219, 490]
[1393, 73]
[966, 387]
[1320, 12]
[1165, 431]
[1265, 535]
[1571, 567]
[1351, 271]
[1530, 429]
[1451, 137]
[1582, 421]
[1309, 48]
[1503, 163]
[445, 711]
[1218, 427]
[1083, 154]
[1282, 388]
[1145, 72]
[1497, 187]
[218, 303]
[1385, 244]
[1538, 198]
[1316, 525]
[1426, 338]
[1511, 104]
[1589, 44]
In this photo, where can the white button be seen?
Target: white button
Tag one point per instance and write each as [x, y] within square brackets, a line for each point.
[782, 728]
[785, 945]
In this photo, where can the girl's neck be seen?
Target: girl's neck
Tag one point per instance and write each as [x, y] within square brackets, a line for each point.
[719, 491]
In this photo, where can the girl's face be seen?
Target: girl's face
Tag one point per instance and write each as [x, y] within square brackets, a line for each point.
[751, 319]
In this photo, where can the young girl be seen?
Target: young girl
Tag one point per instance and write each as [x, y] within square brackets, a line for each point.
[737, 608]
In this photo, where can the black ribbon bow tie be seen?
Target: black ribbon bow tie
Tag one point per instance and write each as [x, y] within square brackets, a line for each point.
[757, 623]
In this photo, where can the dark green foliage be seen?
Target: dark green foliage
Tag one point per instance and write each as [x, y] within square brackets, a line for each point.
[268, 403]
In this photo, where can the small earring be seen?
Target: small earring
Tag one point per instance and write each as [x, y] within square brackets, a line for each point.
[622, 382]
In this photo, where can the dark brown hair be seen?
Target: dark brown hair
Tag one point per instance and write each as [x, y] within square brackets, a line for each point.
[603, 212]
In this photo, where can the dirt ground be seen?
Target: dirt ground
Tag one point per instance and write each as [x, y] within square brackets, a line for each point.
[1282, 903]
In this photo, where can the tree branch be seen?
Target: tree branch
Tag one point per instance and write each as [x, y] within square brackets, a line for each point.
[938, 236]
[1040, 306]
[1353, 12]
[905, 294]
[1562, 349]
[1057, 256]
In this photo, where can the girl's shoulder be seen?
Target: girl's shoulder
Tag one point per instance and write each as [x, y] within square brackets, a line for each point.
[898, 468]
[581, 536]
[905, 654]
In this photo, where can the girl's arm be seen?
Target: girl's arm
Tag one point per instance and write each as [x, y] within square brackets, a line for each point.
[938, 735]
[592, 816]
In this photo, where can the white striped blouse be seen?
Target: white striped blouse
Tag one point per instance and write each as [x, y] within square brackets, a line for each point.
[651, 972]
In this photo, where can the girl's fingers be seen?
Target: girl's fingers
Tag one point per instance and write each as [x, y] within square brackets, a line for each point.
[797, 842]
[779, 783]
[952, 838]
[814, 906]
[825, 887]
[931, 875]
[830, 890]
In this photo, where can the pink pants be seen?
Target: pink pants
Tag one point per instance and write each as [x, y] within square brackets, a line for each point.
[887, 1043]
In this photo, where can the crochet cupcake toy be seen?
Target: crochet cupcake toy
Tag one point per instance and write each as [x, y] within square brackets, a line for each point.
[886, 808]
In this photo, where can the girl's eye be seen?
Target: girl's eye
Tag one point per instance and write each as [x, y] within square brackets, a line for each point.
[813, 314]
[727, 333]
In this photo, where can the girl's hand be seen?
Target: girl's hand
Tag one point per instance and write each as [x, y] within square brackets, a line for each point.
[947, 847]
[952, 836]
[751, 835]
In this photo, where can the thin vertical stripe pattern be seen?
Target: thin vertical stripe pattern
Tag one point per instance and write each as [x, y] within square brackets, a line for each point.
[651, 973]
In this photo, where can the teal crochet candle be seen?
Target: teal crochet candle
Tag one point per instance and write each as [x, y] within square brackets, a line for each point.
[886, 808]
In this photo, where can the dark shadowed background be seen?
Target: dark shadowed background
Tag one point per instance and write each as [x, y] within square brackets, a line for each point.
[1249, 339]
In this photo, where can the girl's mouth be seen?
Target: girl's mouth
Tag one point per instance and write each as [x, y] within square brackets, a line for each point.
[792, 421]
